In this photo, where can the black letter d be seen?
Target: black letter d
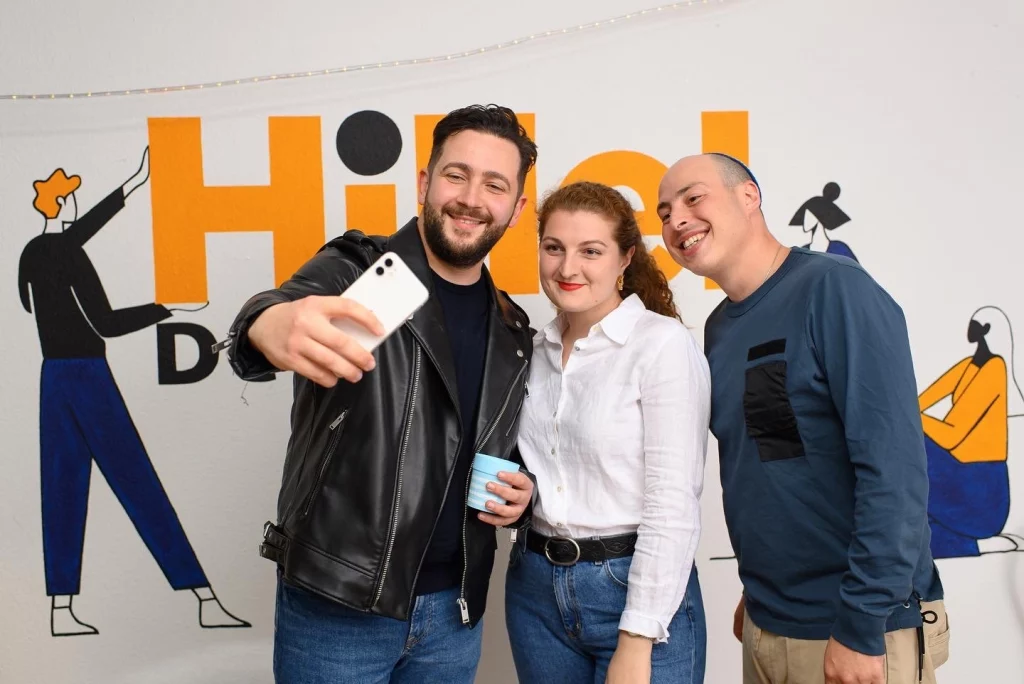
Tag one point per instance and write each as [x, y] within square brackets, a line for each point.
[166, 355]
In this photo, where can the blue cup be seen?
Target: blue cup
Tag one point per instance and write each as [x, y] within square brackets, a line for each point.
[486, 469]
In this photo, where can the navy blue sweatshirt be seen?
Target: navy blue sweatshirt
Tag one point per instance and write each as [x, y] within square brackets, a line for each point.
[823, 467]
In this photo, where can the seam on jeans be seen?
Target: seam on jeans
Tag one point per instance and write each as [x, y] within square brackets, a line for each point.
[693, 637]
[608, 571]
[429, 622]
[413, 637]
[574, 612]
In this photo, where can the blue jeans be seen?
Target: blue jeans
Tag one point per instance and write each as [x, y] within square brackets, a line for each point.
[319, 640]
[563, 622]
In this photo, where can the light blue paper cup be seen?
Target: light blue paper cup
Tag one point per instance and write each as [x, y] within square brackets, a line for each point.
[486, 469]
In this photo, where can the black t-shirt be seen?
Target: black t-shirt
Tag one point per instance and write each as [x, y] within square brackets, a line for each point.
[466, 310]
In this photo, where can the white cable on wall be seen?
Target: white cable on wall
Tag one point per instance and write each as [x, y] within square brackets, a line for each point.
[607, 23]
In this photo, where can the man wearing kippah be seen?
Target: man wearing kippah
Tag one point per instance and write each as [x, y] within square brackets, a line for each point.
[823, 467]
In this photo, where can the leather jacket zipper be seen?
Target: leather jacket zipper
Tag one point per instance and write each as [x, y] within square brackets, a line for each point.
[463, 605]
[331, 447]
[504, 405]
[401, 465]
[512, 423]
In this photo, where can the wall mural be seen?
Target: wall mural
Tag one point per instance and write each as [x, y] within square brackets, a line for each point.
[82, 414]
[969, 445]
[84, 418]
[820, 217]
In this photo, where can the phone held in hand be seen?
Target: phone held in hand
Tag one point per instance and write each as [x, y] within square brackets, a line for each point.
[391, 291]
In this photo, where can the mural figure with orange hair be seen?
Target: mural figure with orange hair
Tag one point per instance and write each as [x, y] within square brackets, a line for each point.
[82, 414]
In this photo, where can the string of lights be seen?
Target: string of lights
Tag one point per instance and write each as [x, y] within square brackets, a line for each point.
[596, 25]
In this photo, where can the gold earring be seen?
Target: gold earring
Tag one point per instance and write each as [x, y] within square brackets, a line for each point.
[620, 282]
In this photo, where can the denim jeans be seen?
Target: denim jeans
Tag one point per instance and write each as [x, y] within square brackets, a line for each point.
[317, 640]
[563, 622]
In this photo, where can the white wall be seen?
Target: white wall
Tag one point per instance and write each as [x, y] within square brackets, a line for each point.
[910, 107]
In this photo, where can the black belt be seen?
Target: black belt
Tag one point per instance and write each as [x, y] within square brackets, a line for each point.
[566, 551]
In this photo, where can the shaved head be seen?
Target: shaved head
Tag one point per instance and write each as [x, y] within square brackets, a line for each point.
[732, 171]
[711, 221]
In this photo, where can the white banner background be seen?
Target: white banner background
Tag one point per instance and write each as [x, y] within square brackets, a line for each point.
[911, 107]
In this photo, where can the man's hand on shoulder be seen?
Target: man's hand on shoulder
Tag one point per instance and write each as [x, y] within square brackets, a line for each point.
[298, 336]
[845, 666]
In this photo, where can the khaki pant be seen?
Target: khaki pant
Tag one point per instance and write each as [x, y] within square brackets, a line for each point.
[772, 659]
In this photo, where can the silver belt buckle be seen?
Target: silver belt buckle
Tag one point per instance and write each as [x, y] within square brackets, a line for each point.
[552, 560]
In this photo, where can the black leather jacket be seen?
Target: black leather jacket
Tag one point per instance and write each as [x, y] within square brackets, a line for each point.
[368, 464]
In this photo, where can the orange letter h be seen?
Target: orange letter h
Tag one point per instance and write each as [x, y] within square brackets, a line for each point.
[185, 209]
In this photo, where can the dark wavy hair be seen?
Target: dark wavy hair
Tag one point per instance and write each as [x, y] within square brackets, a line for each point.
[642, 277]
[494, 119]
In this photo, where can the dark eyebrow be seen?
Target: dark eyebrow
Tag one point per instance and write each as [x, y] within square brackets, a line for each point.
[467, 170]
[548, 238]
[682, 191]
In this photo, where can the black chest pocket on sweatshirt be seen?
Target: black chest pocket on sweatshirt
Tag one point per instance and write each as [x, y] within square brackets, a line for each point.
[767, 410]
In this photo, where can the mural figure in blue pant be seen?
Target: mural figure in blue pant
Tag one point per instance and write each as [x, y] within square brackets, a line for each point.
[82, 415]
[968, 444]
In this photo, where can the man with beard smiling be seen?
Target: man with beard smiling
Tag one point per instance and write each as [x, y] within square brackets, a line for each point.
[382, 571]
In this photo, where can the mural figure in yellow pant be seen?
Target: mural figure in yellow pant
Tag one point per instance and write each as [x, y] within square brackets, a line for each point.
[968, 448]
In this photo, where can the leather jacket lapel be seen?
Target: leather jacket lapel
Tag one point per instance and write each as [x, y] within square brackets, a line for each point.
[505, 356]
[504, 367]
[427, 324]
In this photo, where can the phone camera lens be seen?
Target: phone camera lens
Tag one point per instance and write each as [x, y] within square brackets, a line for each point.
[380, 271]
[388, 262]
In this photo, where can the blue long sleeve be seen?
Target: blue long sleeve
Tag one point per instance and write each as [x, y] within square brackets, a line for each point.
[859, 337]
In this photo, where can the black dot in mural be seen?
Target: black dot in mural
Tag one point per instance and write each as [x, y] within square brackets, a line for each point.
[368, 143]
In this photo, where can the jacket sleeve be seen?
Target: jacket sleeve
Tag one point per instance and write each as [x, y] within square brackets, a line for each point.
[328, 273]
[860, 339]
[515, 455]
[524, 519]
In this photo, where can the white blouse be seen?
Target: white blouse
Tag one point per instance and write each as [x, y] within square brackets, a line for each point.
[618, 442]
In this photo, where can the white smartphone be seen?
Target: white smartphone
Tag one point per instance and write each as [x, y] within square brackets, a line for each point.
[391, 291]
